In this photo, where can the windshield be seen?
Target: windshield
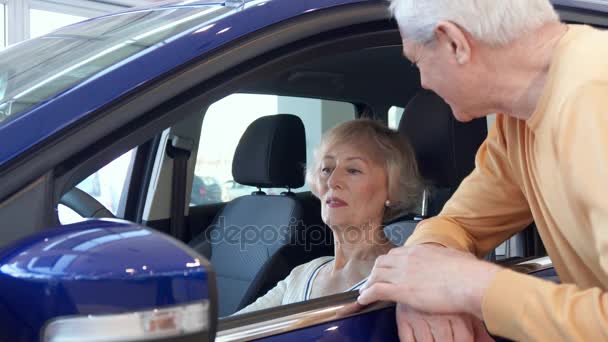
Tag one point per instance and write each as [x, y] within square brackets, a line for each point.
[38, 69]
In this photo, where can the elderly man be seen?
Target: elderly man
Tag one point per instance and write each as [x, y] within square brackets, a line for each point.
[546, 160]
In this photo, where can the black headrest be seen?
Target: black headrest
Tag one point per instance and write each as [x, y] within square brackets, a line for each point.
[445, 148]
[271, 153]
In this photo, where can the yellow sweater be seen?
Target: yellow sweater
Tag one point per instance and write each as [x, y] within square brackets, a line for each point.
[553, 169]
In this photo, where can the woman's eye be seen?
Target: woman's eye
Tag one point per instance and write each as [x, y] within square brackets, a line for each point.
[353, 171]
[325, 171]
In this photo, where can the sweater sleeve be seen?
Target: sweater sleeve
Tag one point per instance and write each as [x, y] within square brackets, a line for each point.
[524, 308]
[487, 208]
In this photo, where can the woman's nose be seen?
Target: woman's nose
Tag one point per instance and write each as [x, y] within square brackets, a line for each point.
[335, 180]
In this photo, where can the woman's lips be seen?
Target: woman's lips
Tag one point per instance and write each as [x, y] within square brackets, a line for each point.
[334, 202]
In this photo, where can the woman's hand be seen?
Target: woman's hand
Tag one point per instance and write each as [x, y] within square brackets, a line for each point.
[432, 279]
[417, 326]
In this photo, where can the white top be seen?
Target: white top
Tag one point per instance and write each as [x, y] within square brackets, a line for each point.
[295, 288]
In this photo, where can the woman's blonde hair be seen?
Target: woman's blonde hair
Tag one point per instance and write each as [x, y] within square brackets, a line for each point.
[385, 146]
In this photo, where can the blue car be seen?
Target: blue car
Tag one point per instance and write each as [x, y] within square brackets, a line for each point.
[240, 91]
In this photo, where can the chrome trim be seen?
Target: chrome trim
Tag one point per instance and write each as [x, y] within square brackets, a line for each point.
[424, 206]
[322, 315]
[534, 265]
[293, 322]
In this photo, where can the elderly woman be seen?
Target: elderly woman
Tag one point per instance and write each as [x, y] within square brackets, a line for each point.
[364, 174]
[545, 161]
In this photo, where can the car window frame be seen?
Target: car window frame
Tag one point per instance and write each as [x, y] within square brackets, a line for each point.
[341, 42]
[45, 173]
[233, 185]
[150, 106]
[149, 102]
[332, 304]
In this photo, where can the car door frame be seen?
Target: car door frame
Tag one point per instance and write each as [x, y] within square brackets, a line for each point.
[41, 178]
[35, 181]
[290, 322]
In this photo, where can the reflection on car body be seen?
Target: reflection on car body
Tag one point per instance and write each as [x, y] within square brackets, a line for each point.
[78, 98]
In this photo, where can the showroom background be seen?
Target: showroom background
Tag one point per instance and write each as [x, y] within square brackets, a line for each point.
[23, 19]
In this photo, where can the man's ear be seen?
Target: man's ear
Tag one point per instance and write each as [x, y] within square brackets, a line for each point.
[452, 37]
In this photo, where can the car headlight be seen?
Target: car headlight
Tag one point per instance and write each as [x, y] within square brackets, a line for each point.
[151, 324]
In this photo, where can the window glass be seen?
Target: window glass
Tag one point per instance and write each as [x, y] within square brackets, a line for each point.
[2, 25]
[67, 215]
[500, 251]
[225, 122]
[43, 22]
[39, 68]
[394, 116]
[108, 186]
[491, 119]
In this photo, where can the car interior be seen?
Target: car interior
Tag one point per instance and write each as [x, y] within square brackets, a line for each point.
[364, 67]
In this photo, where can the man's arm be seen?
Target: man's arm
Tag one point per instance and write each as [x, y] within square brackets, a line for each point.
[487, 208]
[547, 311]
[521, 307]
[524, 308]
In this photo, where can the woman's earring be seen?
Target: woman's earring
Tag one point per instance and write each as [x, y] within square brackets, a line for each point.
[387, 203]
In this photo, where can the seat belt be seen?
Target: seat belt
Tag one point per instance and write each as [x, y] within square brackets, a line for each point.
[179, 150]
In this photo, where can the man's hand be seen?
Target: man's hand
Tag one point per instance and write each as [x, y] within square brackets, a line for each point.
[417, 326]
[431, 279]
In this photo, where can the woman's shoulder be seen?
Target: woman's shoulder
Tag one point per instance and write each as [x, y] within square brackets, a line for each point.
[303, 272]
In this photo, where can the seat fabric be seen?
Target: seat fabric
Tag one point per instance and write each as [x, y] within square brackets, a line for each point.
[250, 242]
[445, 150]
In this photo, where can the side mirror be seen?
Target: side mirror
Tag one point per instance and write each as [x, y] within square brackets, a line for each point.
[105, 280]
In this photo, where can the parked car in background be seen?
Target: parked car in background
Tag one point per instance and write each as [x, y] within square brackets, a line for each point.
[205, 190]
[233, 190]
[77, 99]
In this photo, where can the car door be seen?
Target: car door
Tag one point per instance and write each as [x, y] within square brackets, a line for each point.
[143, 116]
[72, 144]
[147, 115]
[328, 319]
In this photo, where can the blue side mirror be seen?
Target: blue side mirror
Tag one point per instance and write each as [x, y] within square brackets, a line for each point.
[105, 280]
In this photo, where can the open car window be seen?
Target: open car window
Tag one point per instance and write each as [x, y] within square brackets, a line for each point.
[227, 119]
[108, 186]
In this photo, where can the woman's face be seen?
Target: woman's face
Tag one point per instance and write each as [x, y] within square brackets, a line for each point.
[352, 187]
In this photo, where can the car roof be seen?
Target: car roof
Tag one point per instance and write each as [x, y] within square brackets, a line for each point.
[75, 103]
[594, 5]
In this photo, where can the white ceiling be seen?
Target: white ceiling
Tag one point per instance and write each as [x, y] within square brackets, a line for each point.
[129, 3]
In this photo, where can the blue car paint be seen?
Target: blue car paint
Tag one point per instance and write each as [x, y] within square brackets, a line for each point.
[589, 5]
[76, 103]
[63, 272]
[59, 272]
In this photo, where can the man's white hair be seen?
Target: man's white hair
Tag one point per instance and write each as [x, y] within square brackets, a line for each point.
[496, 22]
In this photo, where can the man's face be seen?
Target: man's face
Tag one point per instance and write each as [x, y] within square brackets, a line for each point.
[458, 84]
